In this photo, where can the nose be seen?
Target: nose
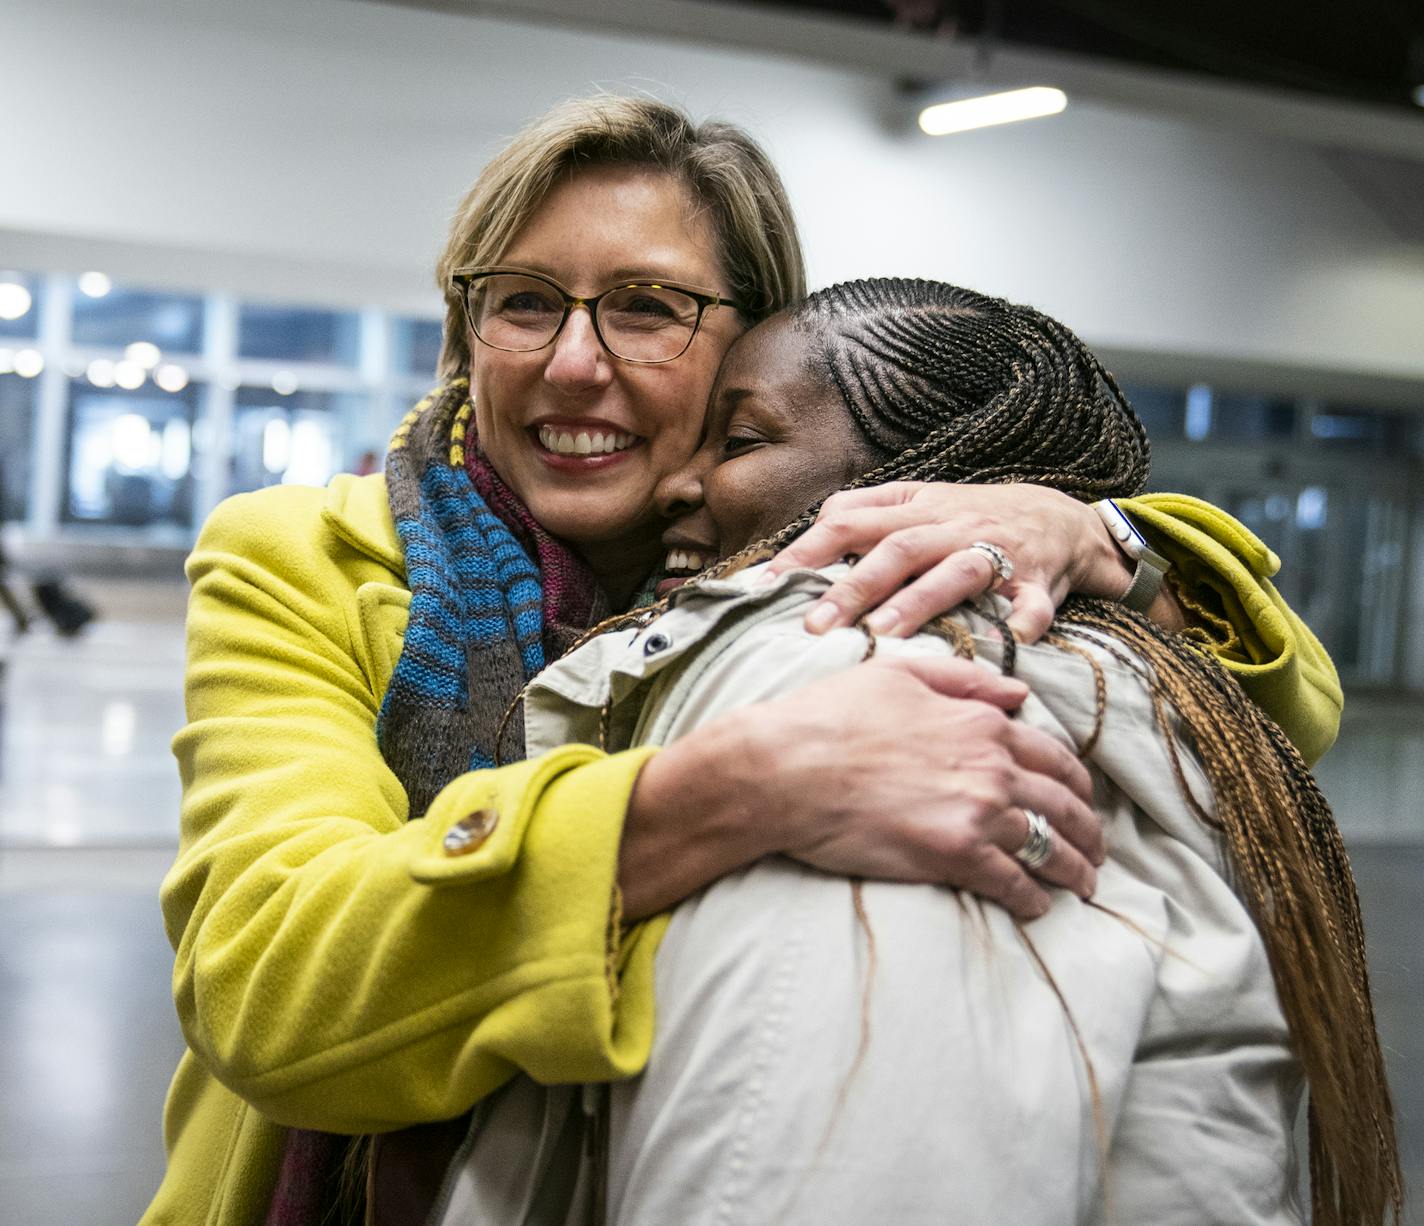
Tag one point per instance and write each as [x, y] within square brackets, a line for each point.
[680, 492]
[578, 361]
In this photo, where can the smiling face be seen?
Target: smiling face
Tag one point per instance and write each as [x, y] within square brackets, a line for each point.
[778, 440]
[582, 437]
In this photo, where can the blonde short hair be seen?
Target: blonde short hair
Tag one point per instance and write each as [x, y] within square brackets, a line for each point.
[726, 172]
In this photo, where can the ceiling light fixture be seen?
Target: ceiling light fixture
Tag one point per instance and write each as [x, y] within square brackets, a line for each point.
[944, 118]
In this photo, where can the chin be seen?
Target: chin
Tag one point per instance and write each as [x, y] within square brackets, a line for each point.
[581, 522]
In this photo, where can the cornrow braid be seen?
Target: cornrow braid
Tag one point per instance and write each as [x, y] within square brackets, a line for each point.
[951, 385]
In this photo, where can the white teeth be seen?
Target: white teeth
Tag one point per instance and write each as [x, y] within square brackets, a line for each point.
[685, 559]
[584, 442]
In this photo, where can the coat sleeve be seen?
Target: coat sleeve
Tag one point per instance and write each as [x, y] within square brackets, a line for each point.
[1225, 572]
[335, 967]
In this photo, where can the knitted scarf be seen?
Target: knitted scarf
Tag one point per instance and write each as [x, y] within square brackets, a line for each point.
[493, 597]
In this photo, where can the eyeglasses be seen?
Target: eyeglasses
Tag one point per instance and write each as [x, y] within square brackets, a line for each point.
[646, 322]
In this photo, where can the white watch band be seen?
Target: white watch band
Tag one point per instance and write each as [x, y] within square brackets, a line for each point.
[1151, 567]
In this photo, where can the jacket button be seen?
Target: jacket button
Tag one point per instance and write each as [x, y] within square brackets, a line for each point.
[470, 832]
[655, 643]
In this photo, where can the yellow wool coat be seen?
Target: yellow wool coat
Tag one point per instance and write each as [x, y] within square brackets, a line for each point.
[336, 968]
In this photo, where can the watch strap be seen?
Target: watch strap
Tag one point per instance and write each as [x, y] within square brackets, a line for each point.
[1146, 583]
[1150, 567]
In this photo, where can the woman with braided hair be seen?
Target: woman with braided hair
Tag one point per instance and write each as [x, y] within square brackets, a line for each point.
[374, 928]
[836, 1053]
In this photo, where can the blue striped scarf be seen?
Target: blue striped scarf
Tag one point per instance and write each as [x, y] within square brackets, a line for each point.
[475, 634]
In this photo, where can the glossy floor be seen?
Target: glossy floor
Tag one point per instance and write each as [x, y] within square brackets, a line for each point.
[87, 825]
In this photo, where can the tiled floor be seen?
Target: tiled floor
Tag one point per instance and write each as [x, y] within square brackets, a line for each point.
[88, 824]
[88, 800]
[85, 759]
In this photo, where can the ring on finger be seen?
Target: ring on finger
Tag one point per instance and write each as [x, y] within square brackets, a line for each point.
[1002, 564]
[1038, 845]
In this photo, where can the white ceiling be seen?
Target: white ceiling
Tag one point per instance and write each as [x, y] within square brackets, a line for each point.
[316, 150]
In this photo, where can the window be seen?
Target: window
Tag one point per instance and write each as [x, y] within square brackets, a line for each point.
[1252, 418]
[1337, 427]
[17, 410]
[415, 346]
[1201, 412]
[171, 322]
[1162, 409]
[288, 440]
[298, 334]
[20, 300]
[130, 456]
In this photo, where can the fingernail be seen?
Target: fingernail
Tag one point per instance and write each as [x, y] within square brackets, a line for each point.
[819, 619]
[882, 621]
[766, 579]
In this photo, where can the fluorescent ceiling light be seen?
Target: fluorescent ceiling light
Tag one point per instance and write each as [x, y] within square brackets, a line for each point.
[1034, 103]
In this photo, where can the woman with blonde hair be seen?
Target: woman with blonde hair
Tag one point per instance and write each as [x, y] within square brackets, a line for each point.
[374, 927]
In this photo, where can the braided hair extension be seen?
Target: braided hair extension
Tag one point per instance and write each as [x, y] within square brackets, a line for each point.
[950, 385]
[1289, 861]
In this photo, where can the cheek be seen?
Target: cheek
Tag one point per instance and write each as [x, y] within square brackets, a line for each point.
[769, 490]
[742, 497]
[721, 497]
[502, 378]
[687, 388]
[676, 413]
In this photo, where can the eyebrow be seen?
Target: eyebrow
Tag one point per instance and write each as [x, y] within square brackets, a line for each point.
[615, 275]
[720, 410]
[735, 395]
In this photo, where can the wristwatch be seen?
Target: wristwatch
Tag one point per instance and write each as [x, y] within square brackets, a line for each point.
[1151, 567]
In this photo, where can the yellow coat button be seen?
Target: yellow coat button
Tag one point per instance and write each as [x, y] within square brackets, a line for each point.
[470, 832]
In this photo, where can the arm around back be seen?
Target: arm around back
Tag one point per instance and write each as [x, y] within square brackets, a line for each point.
[915, 541]
[336, 967]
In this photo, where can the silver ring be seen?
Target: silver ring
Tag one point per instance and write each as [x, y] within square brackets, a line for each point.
[1001, 562]
[1038, 846]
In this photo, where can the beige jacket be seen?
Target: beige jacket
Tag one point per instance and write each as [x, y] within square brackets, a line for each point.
[972, 1102]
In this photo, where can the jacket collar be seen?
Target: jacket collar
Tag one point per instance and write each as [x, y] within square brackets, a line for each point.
[358, 511]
